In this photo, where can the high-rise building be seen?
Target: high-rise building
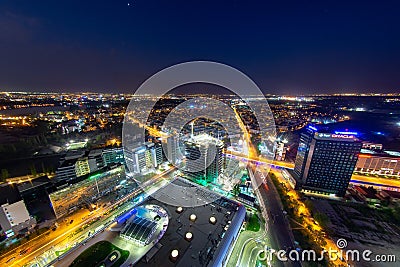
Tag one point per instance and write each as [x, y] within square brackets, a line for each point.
[326, 161]
[113, 155]
[159, 158]
[70, 169]
[302, 150]
[143, 158]
[82, 167]
[204, 158]
[153, 154]
[172, 149]
[66, 170]
[136, 159]
[95, 160]
[280, 152]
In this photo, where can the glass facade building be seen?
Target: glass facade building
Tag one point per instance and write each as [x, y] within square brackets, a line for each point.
[204, 158]
[325, 161]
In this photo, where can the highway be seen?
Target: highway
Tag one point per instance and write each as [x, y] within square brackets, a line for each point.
[34, 244]
[357, 179]
[278, 227]
[278, 236]
[383, 183]
[63, 237]
[305, 213]
[45, 248]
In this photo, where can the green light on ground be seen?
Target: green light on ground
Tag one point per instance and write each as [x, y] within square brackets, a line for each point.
[94, 176]
[60, 252]
[201, 182]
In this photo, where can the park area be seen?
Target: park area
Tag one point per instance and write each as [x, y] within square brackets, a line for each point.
[101, 254]
[253, 223]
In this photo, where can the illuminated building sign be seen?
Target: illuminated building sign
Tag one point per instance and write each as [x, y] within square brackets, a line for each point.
[326, 135]
[339, 132]
[342, 136]
[312, 128]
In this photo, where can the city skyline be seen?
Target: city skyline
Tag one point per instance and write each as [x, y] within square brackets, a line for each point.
[203, 134]
[70, 170]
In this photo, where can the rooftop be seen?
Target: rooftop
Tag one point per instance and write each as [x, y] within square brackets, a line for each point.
[139, 229]
[204, 139]
[196, 233]
[9, 194]
[385, 153]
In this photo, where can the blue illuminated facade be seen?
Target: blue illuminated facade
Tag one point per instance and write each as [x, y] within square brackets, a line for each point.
[325, 161]
[302, 151]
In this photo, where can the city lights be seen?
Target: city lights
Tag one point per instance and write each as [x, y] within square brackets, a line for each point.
[278, 140]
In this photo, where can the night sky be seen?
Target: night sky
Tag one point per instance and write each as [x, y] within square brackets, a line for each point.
[297, 47]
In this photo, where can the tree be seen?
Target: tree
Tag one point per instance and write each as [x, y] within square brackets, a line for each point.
[236, 190]
[4, 175]
[309, 204]
[43, 168]
[322, 219]
[33, 170]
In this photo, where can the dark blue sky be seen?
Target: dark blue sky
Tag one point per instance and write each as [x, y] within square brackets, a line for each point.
[284, 46]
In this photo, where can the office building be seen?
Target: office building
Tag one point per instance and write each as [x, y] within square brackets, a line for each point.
[95, 160]
[113, 156]
[66, 170]
[82, 167]
[143, 159]
[172, 149]
[15, 219]
[280, 153]
[136, 159]
[204, 158]
[326, 161]
[70, 169]
[370, 162]
[372, 146]
[154, 155]
[159, 158]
